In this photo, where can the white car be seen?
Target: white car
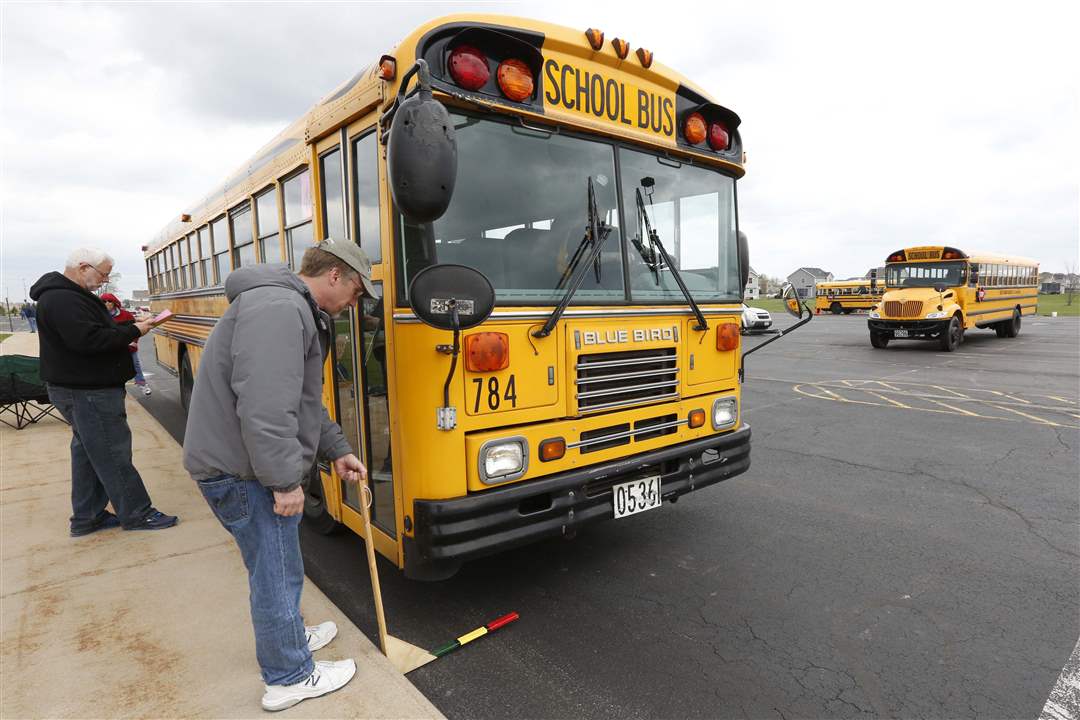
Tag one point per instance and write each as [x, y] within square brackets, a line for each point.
[754, 319]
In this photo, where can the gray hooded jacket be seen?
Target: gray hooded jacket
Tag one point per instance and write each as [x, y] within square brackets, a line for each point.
[256, 409]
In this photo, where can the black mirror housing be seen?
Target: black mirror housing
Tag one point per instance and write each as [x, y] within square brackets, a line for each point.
[421, 153]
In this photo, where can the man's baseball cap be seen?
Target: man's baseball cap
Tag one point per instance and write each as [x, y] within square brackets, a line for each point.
[354, 257]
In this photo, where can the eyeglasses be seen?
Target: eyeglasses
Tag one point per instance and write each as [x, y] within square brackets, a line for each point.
[98, 271]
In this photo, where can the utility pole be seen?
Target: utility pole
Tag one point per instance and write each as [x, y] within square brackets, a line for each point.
[7, 310]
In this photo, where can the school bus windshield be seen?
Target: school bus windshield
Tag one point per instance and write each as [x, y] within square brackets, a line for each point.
[951, 274]
[520, 210]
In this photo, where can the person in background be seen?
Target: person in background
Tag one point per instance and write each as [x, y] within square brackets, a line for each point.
[30, 313]
[256, 425]
[85, 363]
[121, 317]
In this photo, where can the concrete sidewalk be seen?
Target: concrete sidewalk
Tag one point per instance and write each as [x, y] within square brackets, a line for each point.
[144, 624]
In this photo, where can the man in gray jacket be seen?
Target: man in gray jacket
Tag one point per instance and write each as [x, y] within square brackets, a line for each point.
[255, 428]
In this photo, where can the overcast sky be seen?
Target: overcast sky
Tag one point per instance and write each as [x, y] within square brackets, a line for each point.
[868, 126]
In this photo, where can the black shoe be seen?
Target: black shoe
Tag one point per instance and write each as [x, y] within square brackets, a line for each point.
[108, 520]
[155, 520]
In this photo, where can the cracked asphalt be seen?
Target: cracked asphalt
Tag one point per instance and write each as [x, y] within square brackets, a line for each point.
[876, 560]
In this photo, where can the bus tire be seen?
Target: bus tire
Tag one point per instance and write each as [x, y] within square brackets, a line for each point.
[879, 340]
[316, 515]
[187, 379]
[1000, 329]
[1012, 327]
[835, 308]
[952, 335]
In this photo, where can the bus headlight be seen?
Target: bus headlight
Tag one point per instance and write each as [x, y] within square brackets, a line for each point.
[875, 315]
[935, 315]
[725, 410]
[503, 459]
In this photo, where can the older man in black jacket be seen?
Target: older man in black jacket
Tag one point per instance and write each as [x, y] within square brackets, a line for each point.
[86, 363]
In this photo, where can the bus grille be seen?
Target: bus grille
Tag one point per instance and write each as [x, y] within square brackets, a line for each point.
[909, 308]
[619, 379]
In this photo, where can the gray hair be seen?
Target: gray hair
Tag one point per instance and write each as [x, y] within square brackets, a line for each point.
[90, 256]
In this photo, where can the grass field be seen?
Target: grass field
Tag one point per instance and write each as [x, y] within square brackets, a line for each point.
[1056, 303]
[4, 336]
[1047, 304]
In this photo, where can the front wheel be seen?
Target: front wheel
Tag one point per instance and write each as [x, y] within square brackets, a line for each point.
[316, 514]
[835, 308]
[879, 340]
[952, 335]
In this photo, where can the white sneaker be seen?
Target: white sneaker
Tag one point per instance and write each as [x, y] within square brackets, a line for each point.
[326, 678]
[319, 636]
[146, 390]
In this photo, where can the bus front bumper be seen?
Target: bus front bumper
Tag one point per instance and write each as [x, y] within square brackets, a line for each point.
[908, 329]
[451, 531]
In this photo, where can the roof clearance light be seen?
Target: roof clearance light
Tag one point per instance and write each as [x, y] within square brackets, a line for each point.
[718, 137]
[644, 57]
[487, 351]
[469, 68]
[622, 48]
[515, 80]
[727, 336]
[595, 37]
[694, 128]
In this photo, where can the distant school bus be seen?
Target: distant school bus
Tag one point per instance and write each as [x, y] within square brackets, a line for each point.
[847, 296]
[937, 293]
[594, 191]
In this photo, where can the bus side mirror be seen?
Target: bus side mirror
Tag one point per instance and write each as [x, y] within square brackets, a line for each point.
[790, 296]
[940, 287]
[421, 152]
[744, 259]
[451, 297]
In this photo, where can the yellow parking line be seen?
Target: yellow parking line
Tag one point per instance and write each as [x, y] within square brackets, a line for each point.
[945, 389]
[1060, 399]
[1030, 417]
[889, 400]
[959, 410]
[885, 384]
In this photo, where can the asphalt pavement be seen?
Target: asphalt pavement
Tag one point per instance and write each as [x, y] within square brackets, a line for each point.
[904, 545]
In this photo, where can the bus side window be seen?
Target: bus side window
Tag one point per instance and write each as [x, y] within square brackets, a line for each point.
[330, 178]
[366, 184]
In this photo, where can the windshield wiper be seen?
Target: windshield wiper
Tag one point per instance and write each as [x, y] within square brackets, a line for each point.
[649, 256]
[591, 244]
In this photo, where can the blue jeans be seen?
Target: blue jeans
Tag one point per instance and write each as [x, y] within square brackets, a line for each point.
[270, 546]
[32, 322]
[101, 469]
[140, 379]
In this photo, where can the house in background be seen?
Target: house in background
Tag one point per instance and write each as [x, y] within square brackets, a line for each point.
[753, 290]
[806, 278]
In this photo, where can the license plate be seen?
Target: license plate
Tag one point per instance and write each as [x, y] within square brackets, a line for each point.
[899, 333]
[636, 496]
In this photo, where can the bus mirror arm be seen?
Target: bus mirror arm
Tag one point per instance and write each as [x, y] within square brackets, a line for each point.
[446, 416]
[780, 333]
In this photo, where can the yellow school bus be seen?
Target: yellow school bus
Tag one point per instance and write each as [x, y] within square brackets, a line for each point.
[593, 189]
[847, 296]
[938, 293]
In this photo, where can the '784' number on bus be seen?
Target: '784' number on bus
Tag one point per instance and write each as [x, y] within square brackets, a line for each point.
[489, 391]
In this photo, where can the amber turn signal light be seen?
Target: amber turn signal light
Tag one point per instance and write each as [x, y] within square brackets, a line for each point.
[387, 67]
[727, 336]
[696, 418]
[487, 351]
[515, 80]
[694, 128]
[555, 448]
